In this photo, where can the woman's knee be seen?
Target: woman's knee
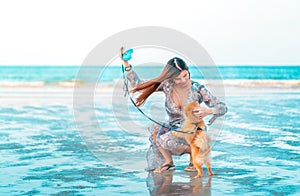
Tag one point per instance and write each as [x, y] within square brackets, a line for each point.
[187, 150]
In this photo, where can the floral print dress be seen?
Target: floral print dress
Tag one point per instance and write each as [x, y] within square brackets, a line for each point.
[165, 139]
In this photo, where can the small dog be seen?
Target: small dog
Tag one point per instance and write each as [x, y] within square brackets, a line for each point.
[197, 137]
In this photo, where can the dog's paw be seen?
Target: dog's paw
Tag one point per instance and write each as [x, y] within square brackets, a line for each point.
[175, 133]
[198, 176]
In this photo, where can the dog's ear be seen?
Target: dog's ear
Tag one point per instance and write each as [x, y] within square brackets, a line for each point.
[190, 113]
[185, 113]
[188, 110]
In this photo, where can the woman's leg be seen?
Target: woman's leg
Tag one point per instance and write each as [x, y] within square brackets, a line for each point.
[168, 160]
[166, 154]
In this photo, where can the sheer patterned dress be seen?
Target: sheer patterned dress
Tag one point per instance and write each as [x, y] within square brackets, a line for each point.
[165, 139]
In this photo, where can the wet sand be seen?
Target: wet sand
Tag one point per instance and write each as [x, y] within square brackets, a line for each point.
[44, 152]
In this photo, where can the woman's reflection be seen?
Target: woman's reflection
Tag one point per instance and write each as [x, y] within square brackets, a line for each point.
[162, 184]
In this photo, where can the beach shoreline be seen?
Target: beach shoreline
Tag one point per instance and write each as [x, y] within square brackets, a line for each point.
[61, 91]
[43, 142]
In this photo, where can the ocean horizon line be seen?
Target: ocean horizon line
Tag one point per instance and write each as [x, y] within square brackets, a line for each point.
[68, 75]
[218, 65]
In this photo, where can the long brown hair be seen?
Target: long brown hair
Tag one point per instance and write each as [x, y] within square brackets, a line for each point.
[171, 70]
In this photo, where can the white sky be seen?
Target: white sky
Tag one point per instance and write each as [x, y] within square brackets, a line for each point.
[234, 32]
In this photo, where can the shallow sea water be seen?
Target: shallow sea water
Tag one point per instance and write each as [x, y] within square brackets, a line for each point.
[257, 151]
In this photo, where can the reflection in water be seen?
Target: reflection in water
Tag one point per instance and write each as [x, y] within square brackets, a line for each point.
[163, 184]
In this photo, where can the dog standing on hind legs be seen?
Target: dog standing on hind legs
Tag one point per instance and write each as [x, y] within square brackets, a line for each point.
[197, 138]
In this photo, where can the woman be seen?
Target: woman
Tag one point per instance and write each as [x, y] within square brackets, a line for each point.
[179, 90]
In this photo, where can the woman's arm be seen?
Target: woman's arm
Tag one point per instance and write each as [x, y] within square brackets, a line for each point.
[216, 107]
[133, 78]
[131, 75]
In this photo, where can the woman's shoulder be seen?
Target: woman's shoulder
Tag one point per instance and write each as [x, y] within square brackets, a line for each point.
[197, 85]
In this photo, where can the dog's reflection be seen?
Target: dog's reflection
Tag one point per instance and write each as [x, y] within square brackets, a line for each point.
[162, 184]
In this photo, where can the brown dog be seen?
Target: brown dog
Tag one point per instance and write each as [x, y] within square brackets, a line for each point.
[197, 137]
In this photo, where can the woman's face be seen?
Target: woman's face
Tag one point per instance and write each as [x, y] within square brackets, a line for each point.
[183, 79]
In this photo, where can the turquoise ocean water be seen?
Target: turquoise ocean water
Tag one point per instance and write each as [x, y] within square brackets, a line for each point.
[257, 151]
[52, 75]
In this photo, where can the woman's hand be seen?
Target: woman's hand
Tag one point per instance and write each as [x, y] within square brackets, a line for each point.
[201, 112]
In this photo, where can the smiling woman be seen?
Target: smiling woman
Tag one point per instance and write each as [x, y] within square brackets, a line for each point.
[179, 90]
